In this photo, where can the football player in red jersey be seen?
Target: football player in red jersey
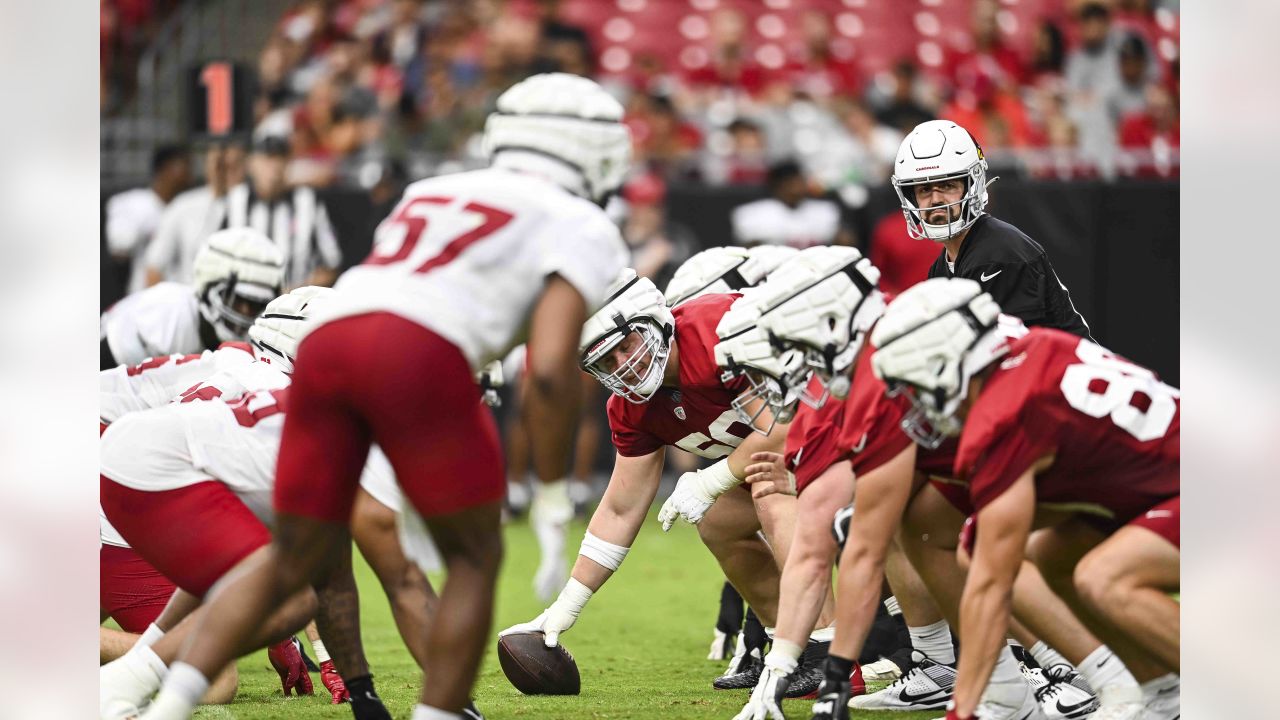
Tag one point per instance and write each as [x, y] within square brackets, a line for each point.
[659, 365]
[1057, 434]
[822, 312]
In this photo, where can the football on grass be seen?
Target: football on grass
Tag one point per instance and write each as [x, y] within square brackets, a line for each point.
[535, 669]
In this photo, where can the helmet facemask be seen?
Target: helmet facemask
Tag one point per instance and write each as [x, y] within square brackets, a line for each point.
[637, 376]
[762, 392]
[231, 307]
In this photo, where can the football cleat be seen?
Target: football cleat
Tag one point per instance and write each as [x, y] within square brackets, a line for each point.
[834, 693]
[742, 674]
[1163, 698]
[1119, 702]
[927, 685]
[808, 675]
[1059, 697]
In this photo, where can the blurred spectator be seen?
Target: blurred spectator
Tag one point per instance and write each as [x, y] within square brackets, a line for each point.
[868, 152]
[789, 216]
[748, 156]
[902, 261]
[1129, 95]
[663, 140]
[194, 215]
[658, 245]
[994, 117]
[133, 215]
[1153, 133]
[563, 47]
[1048, 54]
[1092, 75]
[823, 69]
[984, 51]
[297, 221]
[901, 109]
[731, 65]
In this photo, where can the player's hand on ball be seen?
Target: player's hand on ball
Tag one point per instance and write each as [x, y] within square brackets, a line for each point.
[550, 623]
[766, 698]
[333, 682]
[768, 475]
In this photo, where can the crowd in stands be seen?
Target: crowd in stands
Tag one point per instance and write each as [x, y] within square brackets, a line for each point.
[716, 90]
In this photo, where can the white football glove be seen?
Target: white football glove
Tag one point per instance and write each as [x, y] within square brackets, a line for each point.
[549, 515]
[557, 618]
[766, 698]
[695, 493]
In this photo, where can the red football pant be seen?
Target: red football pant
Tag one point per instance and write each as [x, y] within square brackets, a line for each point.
[192, 535]
[381, 378]
[130, 590]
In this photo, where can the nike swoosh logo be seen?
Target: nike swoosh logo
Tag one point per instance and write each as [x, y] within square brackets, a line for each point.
[861, 444]
[1159, 514]
[1068, 709]
[907, 697]
[1105, 661]
[985, 277]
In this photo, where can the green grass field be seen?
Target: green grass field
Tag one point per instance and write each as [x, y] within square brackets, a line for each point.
[640, 645]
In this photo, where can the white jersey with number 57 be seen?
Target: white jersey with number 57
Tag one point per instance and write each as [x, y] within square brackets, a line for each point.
[467, 255]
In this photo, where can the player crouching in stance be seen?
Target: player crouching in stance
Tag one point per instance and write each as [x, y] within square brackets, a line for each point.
[236, 273]
[659, 365]
[467, 266]
[1058, 435]
[748, 350]
[727, 270]
[167, 503]
[823, 307]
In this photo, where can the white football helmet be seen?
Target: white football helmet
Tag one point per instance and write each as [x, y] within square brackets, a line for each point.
[634, 319]
[569, 119]
[940, 150]
[725, 269]
[932, 340]
[821, 304]
[812, 315]
[281, 326]
[237, 272]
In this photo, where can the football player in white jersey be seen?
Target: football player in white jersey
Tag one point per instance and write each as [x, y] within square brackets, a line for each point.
[215, 444]
[237, 272]
[466, 267]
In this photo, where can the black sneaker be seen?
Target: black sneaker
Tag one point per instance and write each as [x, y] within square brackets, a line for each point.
[808, 675]
[745, 678]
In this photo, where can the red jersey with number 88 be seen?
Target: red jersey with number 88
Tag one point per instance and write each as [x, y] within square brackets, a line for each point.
[1112, 426]
[467, 255]
[696, 416]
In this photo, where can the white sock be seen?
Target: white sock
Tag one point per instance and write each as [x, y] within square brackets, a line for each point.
[769, 632]
[1103, 670]
[1047, 657]
[144, 661]
[150, 635]
[934, 641]
[182, 691]
[891, 604]
[1007, 685]
[426, 712]
[322, 655]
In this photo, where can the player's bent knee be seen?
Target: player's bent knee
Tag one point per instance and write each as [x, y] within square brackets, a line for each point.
[1098, 581]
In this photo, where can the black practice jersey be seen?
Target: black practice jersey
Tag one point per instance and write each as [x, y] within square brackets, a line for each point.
[1017, 273]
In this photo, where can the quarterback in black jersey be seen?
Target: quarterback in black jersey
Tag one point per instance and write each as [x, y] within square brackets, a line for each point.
[941, 179]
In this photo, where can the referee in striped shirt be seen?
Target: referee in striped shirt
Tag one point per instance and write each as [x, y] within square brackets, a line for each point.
[295, 219]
